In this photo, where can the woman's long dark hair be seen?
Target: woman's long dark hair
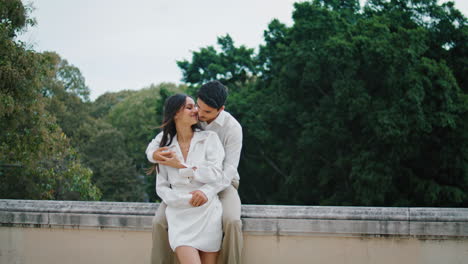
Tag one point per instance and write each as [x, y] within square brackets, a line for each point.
[172, 105]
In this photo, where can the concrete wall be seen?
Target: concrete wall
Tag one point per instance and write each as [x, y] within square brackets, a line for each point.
[100, 232]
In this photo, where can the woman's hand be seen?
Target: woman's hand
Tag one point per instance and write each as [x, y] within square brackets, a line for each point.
[198, 198]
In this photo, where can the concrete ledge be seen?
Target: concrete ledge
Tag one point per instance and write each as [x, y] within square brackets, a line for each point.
[423, 223]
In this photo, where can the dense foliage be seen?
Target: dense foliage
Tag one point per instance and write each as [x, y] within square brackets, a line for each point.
[348, 106]
[37, 160]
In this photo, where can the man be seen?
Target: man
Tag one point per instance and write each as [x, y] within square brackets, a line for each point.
[210, 100]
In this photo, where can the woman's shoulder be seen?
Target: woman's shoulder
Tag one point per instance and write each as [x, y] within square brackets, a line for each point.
[202, 134]
[206, 135]
[211, 140]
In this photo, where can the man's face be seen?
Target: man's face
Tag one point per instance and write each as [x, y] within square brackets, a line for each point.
[207, 113]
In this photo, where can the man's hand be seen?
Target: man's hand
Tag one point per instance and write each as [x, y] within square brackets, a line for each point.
[173, 162]
[198, 198]
[163, 153]
[166, 157]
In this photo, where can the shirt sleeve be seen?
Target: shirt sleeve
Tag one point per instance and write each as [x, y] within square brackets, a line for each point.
[167, 194]
[232, 148]
[152, 147]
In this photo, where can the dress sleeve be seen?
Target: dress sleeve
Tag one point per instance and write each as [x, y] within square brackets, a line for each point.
[167, 194]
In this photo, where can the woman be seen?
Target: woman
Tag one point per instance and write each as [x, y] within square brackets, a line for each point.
[195, 232]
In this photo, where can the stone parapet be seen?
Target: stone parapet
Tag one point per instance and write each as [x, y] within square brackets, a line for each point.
[438, 223]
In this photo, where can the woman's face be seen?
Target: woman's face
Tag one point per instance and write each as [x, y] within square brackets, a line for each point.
[188, 114]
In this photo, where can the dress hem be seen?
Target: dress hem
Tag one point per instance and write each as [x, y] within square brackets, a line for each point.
[197, 249]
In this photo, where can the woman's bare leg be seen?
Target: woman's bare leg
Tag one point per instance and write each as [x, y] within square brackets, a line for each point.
[187, 255]
[208, 257]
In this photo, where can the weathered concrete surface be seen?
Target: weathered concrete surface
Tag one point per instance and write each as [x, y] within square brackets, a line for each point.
[257, 219]
[109, 232]
[83, 246]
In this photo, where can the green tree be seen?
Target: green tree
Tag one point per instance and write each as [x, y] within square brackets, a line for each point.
[66, 94]
[231, 64]
[101, 146]
[114, 171]
[104, 103]
[36, 159]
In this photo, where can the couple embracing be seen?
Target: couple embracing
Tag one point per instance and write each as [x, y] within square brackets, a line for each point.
[196, 158]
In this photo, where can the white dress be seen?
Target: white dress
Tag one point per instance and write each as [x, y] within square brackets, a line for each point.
[198, 227]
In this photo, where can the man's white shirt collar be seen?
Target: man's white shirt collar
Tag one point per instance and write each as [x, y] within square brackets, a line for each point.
[218, 120]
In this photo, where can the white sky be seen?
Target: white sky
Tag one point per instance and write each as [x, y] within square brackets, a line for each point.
[123, 44]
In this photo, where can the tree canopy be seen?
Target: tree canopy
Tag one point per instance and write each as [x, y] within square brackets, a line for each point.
[352, 106]
[37, 160]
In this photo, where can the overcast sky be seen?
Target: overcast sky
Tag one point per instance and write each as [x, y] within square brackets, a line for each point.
[123, 44]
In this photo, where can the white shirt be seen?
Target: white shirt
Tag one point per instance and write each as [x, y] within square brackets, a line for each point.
[229, 132]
